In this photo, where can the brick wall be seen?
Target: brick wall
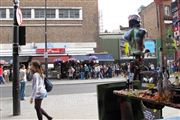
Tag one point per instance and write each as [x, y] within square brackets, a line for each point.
[85, 30]
[150, 20]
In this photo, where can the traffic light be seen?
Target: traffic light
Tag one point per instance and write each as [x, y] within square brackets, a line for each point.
[22, 35]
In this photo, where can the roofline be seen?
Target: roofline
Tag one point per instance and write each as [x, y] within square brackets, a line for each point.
[147, 6]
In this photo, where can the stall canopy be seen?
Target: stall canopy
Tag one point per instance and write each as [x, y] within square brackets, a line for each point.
[51, 59]
[21, 59]
[104, 57]
[81, 57]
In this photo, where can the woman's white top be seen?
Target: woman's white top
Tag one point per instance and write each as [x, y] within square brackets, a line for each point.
[38, 87]
[22, 75]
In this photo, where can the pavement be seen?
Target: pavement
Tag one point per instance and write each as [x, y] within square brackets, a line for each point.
[61, 107]
[81, 106]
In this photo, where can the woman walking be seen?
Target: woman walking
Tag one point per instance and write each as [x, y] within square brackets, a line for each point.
[38, 90]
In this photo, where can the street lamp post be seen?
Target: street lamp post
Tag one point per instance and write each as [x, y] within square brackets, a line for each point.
[46, 51]
[16, 100]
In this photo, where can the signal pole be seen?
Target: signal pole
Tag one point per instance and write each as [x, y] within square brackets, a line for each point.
[46, 51]
[16, 99]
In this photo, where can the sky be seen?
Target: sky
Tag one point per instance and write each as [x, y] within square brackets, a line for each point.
[116, 12]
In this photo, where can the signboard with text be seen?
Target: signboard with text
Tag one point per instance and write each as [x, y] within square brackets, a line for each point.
[51, 51]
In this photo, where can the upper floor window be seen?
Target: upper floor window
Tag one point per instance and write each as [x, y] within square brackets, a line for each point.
[69, 13]
[39, 13]
[11, 13]
[74, 13]
[63, 13]
[51, 13]
[2, 13]
[26, 13]
[167, 10]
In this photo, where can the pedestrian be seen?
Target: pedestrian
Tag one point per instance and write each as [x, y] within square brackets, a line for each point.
[82, 71]
[6, 75]
[117, 69]
[23, 80]
[1, 75]
[71, 73]
[86, 68]
[29, 73]
[38, 90]
[97, 71]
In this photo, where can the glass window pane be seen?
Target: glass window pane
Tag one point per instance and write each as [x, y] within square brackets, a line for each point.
[2, 13]
[63, 13]
[26, 13]
[51, 13]
[74, 13]
[167, 10]
[39, 13]
[11, 13]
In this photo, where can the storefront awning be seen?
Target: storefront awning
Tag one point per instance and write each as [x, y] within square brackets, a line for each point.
[81, 57]
[21, 59]
[51, 59]
[104, 57]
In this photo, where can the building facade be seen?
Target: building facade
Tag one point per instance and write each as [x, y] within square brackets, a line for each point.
[159, 29]
[176, 25]
[73, 23]
[176, 18]
[150, 18]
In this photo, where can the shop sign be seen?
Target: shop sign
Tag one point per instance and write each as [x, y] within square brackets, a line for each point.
[51, 51]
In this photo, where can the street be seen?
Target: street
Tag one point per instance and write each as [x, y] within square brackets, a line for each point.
[58, 89]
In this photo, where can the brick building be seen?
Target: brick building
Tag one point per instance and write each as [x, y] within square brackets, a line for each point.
[72, 24]
[152, 22]
[150, 18]
[176, 18]
[176, 24]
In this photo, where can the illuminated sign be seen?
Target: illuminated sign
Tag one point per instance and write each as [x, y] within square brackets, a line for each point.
[51, 51]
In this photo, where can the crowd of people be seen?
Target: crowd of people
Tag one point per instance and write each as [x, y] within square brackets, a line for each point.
[70, 71]
[6, 73]
[91, 72]
[86, 71]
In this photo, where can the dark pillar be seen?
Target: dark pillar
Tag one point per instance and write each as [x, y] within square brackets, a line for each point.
[16, 100]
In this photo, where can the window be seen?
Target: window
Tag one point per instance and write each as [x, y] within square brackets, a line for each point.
[167, 10]
[69, 13]
[51, 13]
[63, 13]
[2, 13]
[39, 13]
[74, 13]
[26, 13]
[11, 13]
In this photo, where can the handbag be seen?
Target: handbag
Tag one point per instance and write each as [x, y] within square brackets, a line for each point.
[48, 85]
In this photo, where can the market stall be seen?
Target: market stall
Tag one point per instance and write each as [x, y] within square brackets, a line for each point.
[146, 103]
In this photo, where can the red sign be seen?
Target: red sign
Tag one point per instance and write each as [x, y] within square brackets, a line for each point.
[51, 51]
[51, 59]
